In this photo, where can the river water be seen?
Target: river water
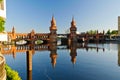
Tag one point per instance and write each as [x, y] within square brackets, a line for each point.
[80, 62]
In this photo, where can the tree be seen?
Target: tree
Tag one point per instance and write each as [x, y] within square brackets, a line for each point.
[1, 1]
[92, 32]
[2, 22]
[108, 32]
[114, 32]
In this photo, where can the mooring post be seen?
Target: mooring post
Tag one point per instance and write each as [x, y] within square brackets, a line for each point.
[29, 64]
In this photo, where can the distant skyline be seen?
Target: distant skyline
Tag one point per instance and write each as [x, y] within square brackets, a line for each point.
[26, 15]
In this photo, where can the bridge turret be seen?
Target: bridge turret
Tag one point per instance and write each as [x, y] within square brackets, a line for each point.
[13, 33]
[53, 29]
[53, 24]
[32, 34]
[13, 30]
[103, 32]
[73, 26]
[73, 29]
[73, 23]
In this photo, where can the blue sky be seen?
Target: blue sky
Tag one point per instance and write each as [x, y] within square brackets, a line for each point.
[26, 15]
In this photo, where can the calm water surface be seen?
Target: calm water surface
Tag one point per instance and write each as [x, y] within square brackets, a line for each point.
[94, 62]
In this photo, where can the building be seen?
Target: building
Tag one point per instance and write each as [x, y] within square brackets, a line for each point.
[3, 34]
[3, 9]
[118, 25]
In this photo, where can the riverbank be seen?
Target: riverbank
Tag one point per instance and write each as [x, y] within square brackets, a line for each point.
[12, 74]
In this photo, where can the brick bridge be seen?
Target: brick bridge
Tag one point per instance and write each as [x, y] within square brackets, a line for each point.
[32, 36]
[52, 36]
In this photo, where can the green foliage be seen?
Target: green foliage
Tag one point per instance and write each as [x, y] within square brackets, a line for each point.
[108, 32]
[92, 32]
[1, 1]
[2, 23]
[12, 74]
[112, 32]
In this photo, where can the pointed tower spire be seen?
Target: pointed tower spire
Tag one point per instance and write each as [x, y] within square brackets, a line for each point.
[33, 31]
[53, 24]
[73, 23]
[13, 30]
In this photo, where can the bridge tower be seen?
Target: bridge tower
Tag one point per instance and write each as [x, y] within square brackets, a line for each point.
[53, 33]
[73, 29]
[32, 37]
[13, 33]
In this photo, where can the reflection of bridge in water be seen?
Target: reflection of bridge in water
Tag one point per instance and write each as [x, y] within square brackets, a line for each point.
[12, 49]
[30, 50]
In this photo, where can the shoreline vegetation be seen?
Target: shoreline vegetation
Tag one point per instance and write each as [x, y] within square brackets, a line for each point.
[11, 74]
[2, 24]
[1, 1]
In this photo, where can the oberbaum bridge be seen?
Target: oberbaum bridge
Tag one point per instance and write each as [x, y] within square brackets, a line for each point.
[53, 36]
[49, 43]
